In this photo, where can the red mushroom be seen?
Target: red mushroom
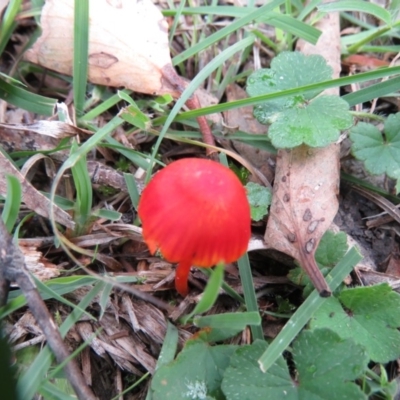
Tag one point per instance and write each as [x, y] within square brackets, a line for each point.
[196, 212]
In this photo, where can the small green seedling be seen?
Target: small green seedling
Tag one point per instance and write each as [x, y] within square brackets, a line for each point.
[259, 199]
[380, 151]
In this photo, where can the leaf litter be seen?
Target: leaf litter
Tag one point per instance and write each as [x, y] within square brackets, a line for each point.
[133, 330]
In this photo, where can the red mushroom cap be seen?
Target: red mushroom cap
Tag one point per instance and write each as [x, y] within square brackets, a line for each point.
[196, 212]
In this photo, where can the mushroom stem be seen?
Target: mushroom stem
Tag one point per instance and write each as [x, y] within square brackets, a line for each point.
[181, 277]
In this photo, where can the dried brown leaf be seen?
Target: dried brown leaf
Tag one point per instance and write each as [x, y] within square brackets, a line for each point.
[304, 203]
[128, 43]
[307, 180]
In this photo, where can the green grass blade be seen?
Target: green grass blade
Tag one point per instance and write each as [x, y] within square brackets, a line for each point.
[84, 193]
[177, 16]
[210, 294]
[363, 77]
[21, 98]
[219, 327]
[61, 286]
[51, 294]
[231, 28]
[359, 6]
[8, 23]
[49, 390]
[194, 84]
[135, 157]
[234, 320]
[12, 203]
[295, 27]
[373, 92]
[281, 21]
[249, 293]
[169, 347]
[132, 189]
[303, 314]
[105, 105]
[81, 53]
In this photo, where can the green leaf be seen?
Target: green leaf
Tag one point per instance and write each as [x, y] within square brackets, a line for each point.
[81, 53]
[185, 379]
[8, 21]
[380, 153]
[135, 117]
[330, 251]
[224, 326]
[303, 314]
[315, 124]
[357, 5]
[249, 292]
[259, 199]
[19, 97]
[244, 380]
[12, 203]
[84, 193]
[210, 294]
[169, 346]
[326, 364]
[289, 70]
[302, 118]
[368, 315]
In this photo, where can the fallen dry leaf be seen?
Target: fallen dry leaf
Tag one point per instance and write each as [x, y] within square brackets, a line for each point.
[304, 204]
[128, 43]
[128, 47]
[307, 180]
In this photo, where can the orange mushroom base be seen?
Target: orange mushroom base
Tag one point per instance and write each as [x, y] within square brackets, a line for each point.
[196, 212]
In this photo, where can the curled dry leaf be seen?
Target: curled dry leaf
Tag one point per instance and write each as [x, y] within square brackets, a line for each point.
[304, 204]
[128, 47]
[128, 44]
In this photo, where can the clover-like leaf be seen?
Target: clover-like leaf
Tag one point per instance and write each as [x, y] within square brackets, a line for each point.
[379, 151]
[315, 124]
[301, 118]
[195, 374]
[369, 315]
[325, 364]
[259, 199]
[244, 380]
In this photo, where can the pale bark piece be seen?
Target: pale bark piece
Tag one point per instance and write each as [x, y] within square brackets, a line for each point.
[37, 264]
[128, 43]
[32, 198]
[307, 179]
[55, 129]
